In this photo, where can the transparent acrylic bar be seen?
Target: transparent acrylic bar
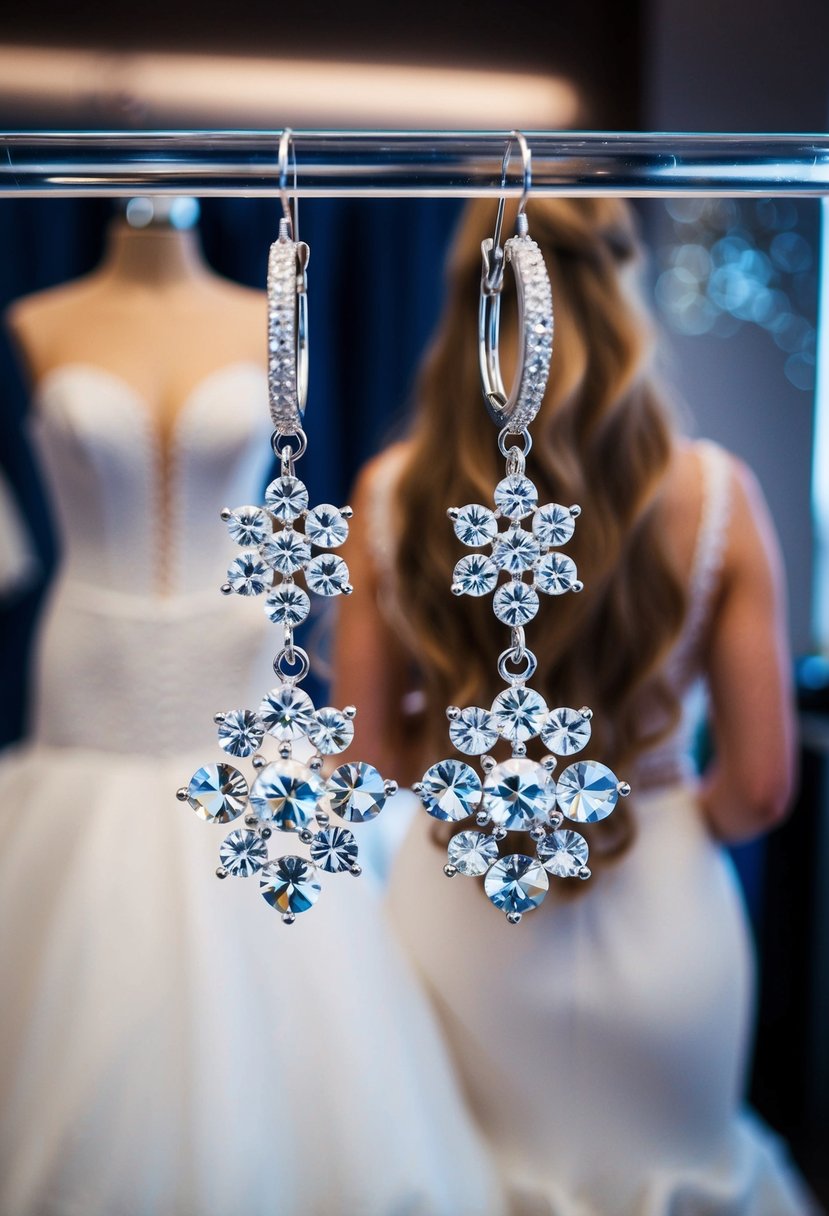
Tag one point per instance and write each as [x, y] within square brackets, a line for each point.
[398, 164]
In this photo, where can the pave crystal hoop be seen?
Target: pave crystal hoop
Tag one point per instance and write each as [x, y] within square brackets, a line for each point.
[519, 793]
[517, 409]
[287, 793]
[287, 311]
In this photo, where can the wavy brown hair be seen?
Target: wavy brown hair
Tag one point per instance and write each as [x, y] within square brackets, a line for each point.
[603, 439]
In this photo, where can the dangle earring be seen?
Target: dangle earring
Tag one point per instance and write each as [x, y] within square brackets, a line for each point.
[517, 794]
[287, 794]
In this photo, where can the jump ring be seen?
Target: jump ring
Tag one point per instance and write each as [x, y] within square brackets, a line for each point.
[508, 433]
[517, 677]
[286, 452]
[282, 665]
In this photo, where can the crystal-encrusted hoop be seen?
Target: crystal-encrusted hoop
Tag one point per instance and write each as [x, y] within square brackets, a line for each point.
[287, 331]
[287, 310]
[515, 410]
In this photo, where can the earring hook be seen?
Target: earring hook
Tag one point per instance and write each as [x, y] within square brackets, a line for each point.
[521, 218]
[287, 150]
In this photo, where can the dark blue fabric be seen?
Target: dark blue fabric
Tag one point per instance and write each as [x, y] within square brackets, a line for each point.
[375, 290]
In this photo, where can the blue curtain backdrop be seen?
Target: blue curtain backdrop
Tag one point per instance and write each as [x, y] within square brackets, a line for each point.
[375, 291]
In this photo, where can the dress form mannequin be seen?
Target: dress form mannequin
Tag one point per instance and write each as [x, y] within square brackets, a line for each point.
[153, 313]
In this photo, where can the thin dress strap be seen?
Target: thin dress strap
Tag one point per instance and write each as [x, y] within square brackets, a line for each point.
[709, 550]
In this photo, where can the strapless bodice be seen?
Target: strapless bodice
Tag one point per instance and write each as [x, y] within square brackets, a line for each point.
[138, 648]
[135, 517]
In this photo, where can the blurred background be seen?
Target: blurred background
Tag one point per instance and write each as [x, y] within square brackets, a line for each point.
[736, 285]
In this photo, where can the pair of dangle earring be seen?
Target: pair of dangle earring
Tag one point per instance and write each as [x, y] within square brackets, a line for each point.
[286, 793]
[518, 794]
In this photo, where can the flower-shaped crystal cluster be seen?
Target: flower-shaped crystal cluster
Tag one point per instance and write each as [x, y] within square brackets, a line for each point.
[519, 793]
[527, 555]
[276, 549]
[287, 795]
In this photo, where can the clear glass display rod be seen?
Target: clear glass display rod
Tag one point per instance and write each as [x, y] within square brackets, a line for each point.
[398, 164]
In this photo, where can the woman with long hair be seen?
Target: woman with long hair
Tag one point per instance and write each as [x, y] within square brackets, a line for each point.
[603, 1042]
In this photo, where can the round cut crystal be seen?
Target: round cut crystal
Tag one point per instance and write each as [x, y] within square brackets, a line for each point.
[325, 526]
[587, 791]
[472, 853]
[334, 850]
[563, 853]
[518, 794]
[240, 732]
[516, 883]
[287, 551]
[516, 550]
[286, 794]
[290, 885]
[553, 525]
[357, 791]
[515, 603]
[332, 731]
[286, 498]
[450, 790]
[519, 713]
[248, 574]
[217, 793]
[473, 731]
[555, 573]
[516, 496]
[249, 526]
[475, 575]
[287, 712]
[243, 852]
[287, 605]
[566, 731]
[327, 574]
[475, 525]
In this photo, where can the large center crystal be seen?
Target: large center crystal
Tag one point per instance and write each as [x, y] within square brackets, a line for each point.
[518, 794]
[287, 794]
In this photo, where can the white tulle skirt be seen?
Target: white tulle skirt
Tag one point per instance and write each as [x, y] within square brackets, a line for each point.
[603, 1041]
[169, 1048]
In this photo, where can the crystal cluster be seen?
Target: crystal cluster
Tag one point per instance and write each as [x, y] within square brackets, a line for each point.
[526, 555]
[287, 795]
[276, 550]
[518, 794]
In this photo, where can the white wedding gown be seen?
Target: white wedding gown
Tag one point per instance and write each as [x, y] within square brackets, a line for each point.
[603, 1042]
[167, 1046]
